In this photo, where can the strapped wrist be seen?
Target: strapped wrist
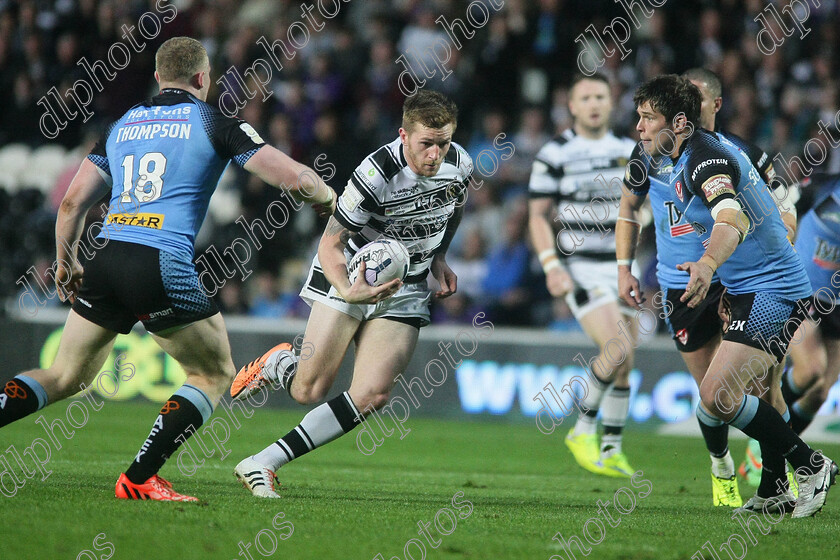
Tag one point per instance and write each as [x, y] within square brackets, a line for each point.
[551, 265]
[634, 222]
[709, 261]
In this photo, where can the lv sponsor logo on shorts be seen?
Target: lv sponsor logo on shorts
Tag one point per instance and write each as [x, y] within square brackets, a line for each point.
[737, 326]
[154, 221]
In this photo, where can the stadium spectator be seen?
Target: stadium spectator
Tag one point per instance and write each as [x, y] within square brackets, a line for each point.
[270, 302]
[523, 44]
[505, 288]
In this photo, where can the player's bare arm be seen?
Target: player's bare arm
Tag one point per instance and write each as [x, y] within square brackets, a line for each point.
[86, 188]
[279, 170]
[440, 269]
[331, 255]
[627, 229]
[540, 212]
[730, 229]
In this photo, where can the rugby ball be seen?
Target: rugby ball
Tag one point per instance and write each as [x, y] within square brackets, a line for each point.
[385, 259]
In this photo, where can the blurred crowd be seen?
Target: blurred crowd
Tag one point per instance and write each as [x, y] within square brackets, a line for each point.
[338, 96]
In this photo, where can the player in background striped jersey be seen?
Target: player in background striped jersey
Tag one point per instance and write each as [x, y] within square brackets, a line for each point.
[573, 183]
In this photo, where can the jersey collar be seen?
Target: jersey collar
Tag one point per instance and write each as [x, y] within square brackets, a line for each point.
[168, 90]
[402, 156]
[682, 148]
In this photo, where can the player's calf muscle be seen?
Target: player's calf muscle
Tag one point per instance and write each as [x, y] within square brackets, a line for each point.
[310, 390]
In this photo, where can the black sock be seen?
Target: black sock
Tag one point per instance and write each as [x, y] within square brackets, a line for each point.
[716, 437]
[320, 426]
[19, 399]
[790, 392]
[768, 427]
[178, 417]
[798, 421]
[773, 477]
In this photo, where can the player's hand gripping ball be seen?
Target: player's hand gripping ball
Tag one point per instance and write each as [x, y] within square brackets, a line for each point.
[385, 259]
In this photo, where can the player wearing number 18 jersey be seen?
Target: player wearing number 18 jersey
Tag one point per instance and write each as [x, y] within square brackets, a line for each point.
[163, 158]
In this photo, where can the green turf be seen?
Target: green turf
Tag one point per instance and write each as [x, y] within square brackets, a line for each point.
[523, 486]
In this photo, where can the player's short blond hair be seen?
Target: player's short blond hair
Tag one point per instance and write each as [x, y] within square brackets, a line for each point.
[429, 108]
[180, 58]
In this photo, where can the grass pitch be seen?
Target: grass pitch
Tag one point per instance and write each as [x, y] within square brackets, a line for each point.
[523, 486]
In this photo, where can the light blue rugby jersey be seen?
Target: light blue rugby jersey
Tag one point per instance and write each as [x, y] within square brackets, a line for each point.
[164, 158]
[765, 261]
[676, 240]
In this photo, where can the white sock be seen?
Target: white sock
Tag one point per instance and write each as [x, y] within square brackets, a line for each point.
[723, 467]
[280, 367]
[587, 423]
[614, 409]
[321, 425]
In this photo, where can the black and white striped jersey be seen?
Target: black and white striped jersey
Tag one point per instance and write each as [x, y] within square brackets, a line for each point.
[385, 198]
[573, 170]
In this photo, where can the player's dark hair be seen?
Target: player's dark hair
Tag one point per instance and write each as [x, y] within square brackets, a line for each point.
[596, 77]
[180, 58]
[670, 95]
[429, 108]
[708, 77]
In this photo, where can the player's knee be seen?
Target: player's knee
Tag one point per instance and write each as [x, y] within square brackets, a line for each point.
[707, 396]
[813, 370]
[820, 363]
[218, 365]
[716, 398]
[809, 369]
[228, 372]
[217, 372]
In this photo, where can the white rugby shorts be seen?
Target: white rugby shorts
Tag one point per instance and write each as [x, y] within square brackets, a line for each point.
[596, 284]
[409, 305]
